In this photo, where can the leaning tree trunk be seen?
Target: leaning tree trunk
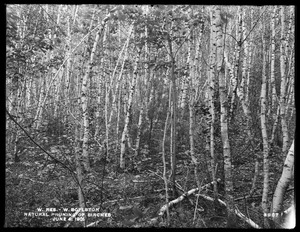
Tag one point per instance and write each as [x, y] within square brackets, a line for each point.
[286, 177]
[283, 61]
[119, 81]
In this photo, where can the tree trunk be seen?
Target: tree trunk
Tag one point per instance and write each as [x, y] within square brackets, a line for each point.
[84, 99]
[125, 49]
[185, 83]
[283, 60]
[231, 218]
[274, 94]
[164, 152]
[264, 136]
[174, 118]
[138, 137]
[244, 98]
[193, 86]
[78, 167]
[286, 177]
[42, 98]
[237, 61]
[128, 113]
[142, 99]
[212, 65]
[98, 81]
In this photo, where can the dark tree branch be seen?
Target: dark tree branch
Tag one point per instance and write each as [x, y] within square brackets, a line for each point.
[51, 156]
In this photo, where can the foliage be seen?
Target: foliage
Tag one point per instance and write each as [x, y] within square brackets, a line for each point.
[48, 49]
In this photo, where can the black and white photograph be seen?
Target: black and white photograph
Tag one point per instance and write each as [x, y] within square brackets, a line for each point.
[150, 116]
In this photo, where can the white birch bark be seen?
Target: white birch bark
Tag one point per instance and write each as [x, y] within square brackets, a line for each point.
[274, 94]
[212, 64]
[285, 179]
[236, 61]
[128, 113]
[224, 120]
[264, 135]
[84, 99]
[283, 60]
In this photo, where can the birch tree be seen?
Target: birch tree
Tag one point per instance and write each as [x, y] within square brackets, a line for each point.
[283, 62]
[243, 94]
[84, 97]
[212, 65]
[273, 89]
[264, 134]
[174, 115]
[124, 137]
[146, 83]
[286, 177]
[192, 99]
[237, 54]
[224, 119]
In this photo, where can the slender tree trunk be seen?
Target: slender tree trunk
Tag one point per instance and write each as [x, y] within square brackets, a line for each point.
[57, 88]
[42, 96]
[191, 137]
[107, 124]
[128, 113]
[243, 95]
[290, 102]
[231, 219]
[264, 136]
[78, 145]
[14, 109]
[274, 128]
[149, 111]
[164, 152]
[146, 82]
[192, 99]
[251, 51]
[79, 170]
[118, 114]
[212, 64]
[185, 83]
[283, 61]
[274, 94]
[174, 118]
[98, 109]
[138, 137]
[237, 61]
[84, 99]
[125, 49]
[68, 66]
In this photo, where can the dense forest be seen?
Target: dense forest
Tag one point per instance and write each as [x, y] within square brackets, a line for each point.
[150, 116]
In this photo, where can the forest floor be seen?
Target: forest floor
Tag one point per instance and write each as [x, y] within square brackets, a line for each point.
[133, 197]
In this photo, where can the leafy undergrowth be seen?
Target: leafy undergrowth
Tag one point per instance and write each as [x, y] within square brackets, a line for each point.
[133, 198]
